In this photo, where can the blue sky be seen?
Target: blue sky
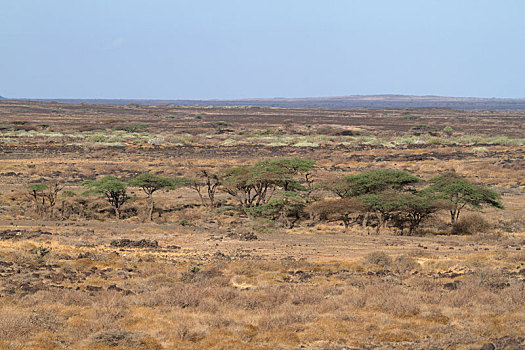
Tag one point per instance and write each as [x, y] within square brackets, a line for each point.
[197, 49]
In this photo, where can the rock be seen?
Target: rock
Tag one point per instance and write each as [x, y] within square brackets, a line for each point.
[93, 288]
[488, 346]
[128, 243]
[451, 285]
[21, 234]
[243, 236]
[220, 255]
[86, 255]
[114, 287]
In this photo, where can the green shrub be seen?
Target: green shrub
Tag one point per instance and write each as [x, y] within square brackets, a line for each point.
[135, 127]
[97, 138]
[114, 139]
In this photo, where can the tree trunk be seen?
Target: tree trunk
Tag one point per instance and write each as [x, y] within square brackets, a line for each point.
[365, 219]
[379, 222]
[117, 213]
[453, 216]
[211, 196]
[203, 202]
[151, 205]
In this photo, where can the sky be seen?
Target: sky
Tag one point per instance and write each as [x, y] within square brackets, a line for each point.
[210, 49]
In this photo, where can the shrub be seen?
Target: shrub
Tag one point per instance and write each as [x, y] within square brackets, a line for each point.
[470, 224]
[114, 139]
[97, 138]
[135, 127]
[480, 150]
[378, 258]
[404, 264]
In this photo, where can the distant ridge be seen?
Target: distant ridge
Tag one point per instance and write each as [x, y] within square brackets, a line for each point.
[341, 102]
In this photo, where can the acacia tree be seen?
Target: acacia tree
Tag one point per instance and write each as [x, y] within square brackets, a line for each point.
[458, 193]
[150, 183]
[344, 209]
[411, 208]
[237, 183]
[371, 183]
[205, 180]
[112, 188]
[286, 209]
[254, 185]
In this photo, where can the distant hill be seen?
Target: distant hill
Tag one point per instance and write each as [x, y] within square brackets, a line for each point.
[343, 102]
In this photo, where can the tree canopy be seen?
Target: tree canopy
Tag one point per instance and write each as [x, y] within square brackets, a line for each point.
[372, 181]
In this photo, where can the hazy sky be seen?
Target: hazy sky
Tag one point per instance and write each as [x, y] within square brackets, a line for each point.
[191, 49]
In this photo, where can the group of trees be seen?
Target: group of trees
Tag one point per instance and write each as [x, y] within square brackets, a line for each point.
[115, 190]
[397, 197]
[281, 190]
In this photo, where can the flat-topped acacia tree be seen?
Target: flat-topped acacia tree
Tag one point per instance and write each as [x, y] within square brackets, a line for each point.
[405, 209]
[150, 183]
[372, 181]
[254, 185]
[112, 188]
[458, 193]
[370, 184]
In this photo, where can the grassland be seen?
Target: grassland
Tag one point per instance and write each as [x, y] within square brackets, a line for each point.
[202, 278]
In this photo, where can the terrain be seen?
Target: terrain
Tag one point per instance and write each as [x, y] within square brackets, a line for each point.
[215, 278]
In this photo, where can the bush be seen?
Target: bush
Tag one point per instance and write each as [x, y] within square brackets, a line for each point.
[378, 258]
[114, 139]
[404, 264]
[470, 224]
[97, 138]
[135, 127]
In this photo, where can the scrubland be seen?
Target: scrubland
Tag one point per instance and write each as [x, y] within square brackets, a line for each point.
[202, 277]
